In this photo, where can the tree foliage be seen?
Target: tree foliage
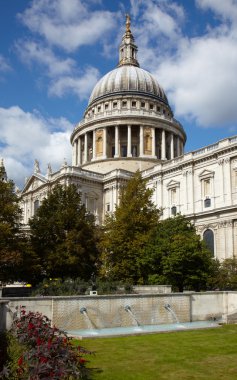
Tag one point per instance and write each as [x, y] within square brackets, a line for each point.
[10, 237]
[127, 233]
[226, 275]
[179, 257]
[63, 236]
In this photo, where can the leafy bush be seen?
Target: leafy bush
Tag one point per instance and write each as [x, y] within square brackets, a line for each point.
[113, 287]
[69, 287]
[59, 287]
[45, 352]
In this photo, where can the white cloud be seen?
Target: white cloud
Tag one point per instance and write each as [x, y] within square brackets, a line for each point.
[163, 19]
[157, 29]
[198, 74]
[63, 73]
[31, 52]
[79, 85]
[25, 136]
[224, 9]
[67, 24]
[201, 80]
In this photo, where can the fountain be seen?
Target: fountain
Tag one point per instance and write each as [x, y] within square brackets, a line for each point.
[128, 309]
[137, 327]
[90, 324]
[170, 310]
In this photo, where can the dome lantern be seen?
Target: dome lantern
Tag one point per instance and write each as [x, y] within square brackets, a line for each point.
[128, 49]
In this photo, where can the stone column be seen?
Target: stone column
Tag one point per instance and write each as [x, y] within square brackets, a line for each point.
[172, 146]
[105, 143]
[163, 146]
[93, 147]
[116, 138]
[129, 142]
[178, 146]
[141, 142]
[79, 152]
[227, 173]
[74, 153]
[153, 147]
[86, 148]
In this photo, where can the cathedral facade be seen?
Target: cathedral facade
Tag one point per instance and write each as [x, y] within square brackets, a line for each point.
[127, 126]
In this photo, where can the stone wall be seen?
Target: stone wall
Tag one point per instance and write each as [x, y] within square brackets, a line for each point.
[110, 311]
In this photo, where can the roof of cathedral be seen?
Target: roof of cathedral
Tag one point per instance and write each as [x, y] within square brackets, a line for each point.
[128, 76]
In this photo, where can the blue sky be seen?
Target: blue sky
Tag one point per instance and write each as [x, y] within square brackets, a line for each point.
[52, 53]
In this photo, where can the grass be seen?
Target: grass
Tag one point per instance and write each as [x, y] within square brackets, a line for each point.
[207, 354]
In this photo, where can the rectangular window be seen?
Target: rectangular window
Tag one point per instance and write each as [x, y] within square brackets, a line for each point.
[106, 106]
[115, 104]
[134, 104]
[107, 207]
[124, 103]
[151, 106]
[206, 187]
[173, 196]
[235, 178]
[173, 210]
[158, 108]
[142, 104]
[207, 202]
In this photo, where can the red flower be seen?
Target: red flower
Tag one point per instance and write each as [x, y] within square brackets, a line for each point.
[20, 361]
[82, 360]
[43, 359]
[39, 341]
[30, 326]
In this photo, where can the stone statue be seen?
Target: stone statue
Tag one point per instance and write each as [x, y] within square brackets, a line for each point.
[36, 167]
[49, 169]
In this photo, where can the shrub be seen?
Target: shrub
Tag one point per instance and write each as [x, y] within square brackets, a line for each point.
[47, 351]
[69, 287]
[59, 287]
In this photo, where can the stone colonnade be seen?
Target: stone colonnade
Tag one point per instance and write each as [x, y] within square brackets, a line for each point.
[126, 141]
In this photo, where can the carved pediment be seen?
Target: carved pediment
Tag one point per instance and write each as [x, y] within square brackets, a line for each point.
[34, 182]
[92, 195]
[206, 174]
[171, 184]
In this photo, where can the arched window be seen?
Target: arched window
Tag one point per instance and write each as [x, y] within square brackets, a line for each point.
[208, 237]
[36, 205]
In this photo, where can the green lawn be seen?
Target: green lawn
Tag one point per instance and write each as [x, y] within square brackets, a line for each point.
[209, 354]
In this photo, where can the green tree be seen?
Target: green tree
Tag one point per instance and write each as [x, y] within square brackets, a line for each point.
[179, 257]
[10, 235]
[63, 236]
[226, 278]
[127, 233]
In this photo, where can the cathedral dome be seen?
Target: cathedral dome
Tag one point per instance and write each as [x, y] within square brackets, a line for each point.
[130, 79]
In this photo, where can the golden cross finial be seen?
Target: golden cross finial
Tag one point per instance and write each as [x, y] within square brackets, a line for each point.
[128, 23]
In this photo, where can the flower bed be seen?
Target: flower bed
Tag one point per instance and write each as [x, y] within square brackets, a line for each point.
[46, 352]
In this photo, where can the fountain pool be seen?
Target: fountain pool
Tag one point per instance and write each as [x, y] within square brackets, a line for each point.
[143, 329]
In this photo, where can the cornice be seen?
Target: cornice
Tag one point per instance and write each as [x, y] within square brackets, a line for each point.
[169, 166]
